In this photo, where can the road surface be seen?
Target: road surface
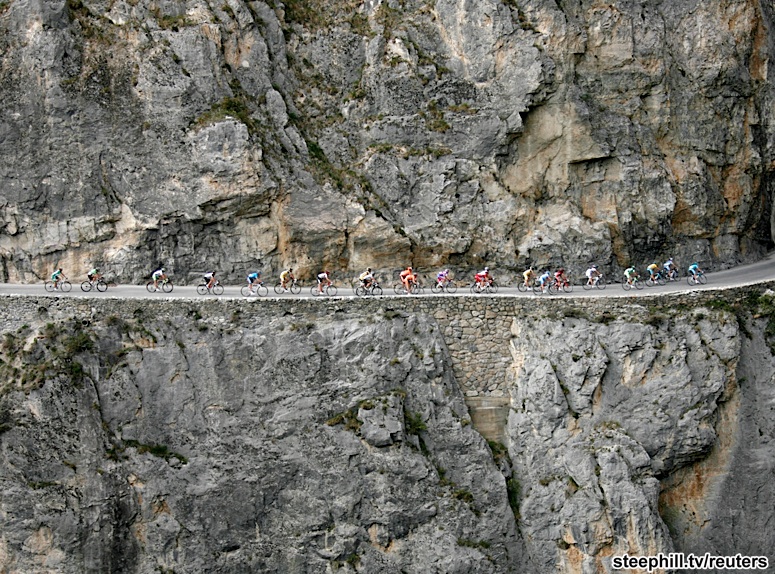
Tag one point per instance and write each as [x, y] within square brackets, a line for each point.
[761, 271]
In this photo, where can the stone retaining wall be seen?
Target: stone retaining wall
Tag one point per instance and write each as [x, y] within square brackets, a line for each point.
[477, 329]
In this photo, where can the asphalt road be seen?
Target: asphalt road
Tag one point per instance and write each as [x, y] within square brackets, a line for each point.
[758, 272]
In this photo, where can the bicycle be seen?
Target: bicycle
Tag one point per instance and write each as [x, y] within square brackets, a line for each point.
[636, 282]
[203, 289]
[98, 284]
[556, 286]
[656, 279]
[491, 287]
[64, 286]
[671, 275]
[165, 284]
[293, 287]
[329, 290]
[261, 290]
[696, 279]
[445, 286]
[597, 281]
[373, 289]
[414, 288]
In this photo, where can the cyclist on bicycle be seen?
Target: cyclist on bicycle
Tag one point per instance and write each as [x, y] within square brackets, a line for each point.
[544, 279]
[652, 269]
[158, 275]
[366, 278]
[695, 270]
[670, 270]
[442, 277]
[630, 274]
[209, 278]
[407, 278]
[254, 279]
[94, 275]
[323, 279]
[57, 277]
[528, 276]
[483, 279]
[286, 276]
[592, 275]
[560, 278]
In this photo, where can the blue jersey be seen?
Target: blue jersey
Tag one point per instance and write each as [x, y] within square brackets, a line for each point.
[253, 276]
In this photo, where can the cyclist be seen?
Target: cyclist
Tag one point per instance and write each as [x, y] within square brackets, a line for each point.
[528, 276]
[483, 279]
[695, 270]
[57, 277]
[209, 278]
[286, 276]
[94, 275]
[652, 269]
[592, 274]
[670, 270]
[254, 279]
[323, 278]
[158, 275]
[544, 280]
[407, 276]
[560, 278]
[630, 274]
[366, 278]
[442, 278]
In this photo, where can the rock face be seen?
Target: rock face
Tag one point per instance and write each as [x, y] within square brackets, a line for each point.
[290, 436]
[311, 133]
[197, 442]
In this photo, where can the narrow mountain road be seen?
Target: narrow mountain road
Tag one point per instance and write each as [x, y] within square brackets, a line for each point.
[761, 271]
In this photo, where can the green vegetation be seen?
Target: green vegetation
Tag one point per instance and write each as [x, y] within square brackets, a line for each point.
[413, 423]
[514, 491]
[235, 107]
[483, 544]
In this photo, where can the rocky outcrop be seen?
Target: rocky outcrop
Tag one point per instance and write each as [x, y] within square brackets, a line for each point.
[310, 133]
[312, 436]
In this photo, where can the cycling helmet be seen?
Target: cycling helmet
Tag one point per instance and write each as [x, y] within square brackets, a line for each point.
[594, 267]
[446, 271]
[486, 268]
[409, 268]
[369, 269]
[693, 264]
[290, 269]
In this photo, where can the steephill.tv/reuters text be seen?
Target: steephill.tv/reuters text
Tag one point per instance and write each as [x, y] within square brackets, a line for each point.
[681, 561]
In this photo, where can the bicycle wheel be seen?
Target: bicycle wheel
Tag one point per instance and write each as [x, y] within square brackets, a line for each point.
[450, 287]
[49, 286]
[149, 287]
[102, 286]
[521, 287]
[650, 282]
[553, 289]
[638, 284]
[626, 286]
[295, 288]
[166, 286]
[202, 289]
[661, 280]
[437, 287]
[245, 291]
[86, 286]
[278, 288]
[262, 290]
[702, 279]
[493, 288]
[600, 283]
[65, 286]
[567, 288]
[376, 290]
[360, 291]
[398, 288]
[314, 291]
[218, 289]
[331, 290]
[537, 288]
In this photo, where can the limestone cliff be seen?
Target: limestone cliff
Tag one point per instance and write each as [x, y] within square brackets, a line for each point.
[305, 436]
[258, 133]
